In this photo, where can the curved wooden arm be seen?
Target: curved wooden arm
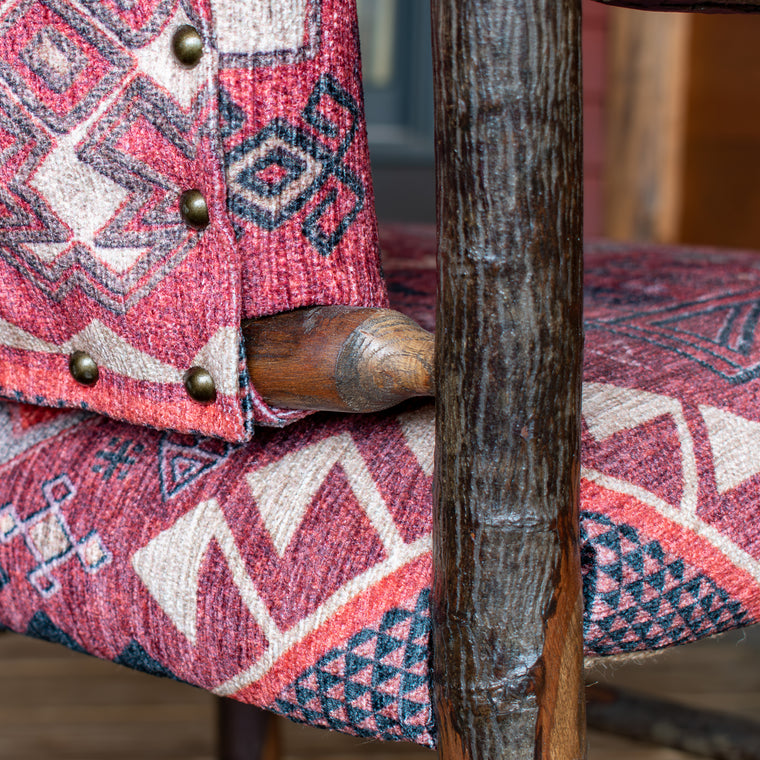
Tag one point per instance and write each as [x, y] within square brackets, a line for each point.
[339, 358]
[705, 6]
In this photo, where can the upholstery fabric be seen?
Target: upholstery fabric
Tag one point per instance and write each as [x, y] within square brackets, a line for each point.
[102, 130]
[294, 571]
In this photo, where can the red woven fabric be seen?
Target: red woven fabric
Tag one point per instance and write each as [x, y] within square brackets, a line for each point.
[294, 571]
[102, 130]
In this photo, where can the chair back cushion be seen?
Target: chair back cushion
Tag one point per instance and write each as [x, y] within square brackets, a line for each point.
[103, 131]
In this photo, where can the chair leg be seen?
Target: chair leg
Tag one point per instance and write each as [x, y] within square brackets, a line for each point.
[701, 732]
[245, 732]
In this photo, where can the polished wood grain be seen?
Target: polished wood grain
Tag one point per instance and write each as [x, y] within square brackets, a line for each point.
[506, 609]
[339, 358]
[705, 6]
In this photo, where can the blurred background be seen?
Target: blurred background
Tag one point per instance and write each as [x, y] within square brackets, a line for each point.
[398, 90]
[672, 121]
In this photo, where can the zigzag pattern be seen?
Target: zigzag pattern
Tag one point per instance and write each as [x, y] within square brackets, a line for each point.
[26, 217]
[375, 686]
[640, 598]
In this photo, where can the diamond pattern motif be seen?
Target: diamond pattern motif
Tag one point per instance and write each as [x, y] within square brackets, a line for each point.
[640, 598]
[132, 236]
[25, 217]
[284, 168]
[58, 62]
[375, 686]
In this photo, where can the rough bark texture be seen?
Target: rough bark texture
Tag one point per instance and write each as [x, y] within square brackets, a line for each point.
[507, 637]
[706, 6]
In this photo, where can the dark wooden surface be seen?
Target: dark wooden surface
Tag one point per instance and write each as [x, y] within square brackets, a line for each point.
[706, 6]
[339, 358]
[59, 704]
[507, 590]
[706, 733]
[245, 732]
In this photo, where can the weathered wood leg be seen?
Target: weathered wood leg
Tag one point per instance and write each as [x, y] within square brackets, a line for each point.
[507, 607]
[705, 733]
[245, 732]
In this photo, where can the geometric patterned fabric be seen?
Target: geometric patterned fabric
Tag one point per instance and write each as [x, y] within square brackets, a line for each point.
[294, 571]
[101, 132]
[375, 686]
[643, 599]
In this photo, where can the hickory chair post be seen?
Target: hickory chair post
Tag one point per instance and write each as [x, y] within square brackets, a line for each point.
[507, 605]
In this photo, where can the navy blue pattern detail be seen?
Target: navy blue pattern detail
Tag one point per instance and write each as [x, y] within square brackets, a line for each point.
[5, 579]
[254, 176]
[274, 174]
[323, 241]
[231, 116]
[135, 657]
[268, 212]
[244, 383]
[731, 317]
[183, 459]
[42, 627]
[118, 460]
[307, 700]
[651, 599]
[718, 332]
[328, 87]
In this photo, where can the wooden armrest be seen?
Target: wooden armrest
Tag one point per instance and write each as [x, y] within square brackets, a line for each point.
[339, 358]
[705, 6]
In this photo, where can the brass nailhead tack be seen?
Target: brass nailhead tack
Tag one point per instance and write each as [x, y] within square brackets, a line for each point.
[200, 385]
[193, 208]
[187, 46]
[83, 368]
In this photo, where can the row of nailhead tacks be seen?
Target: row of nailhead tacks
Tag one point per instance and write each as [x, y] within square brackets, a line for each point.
[187, 47]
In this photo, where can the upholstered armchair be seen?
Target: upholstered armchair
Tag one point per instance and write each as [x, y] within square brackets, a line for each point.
[173, 173]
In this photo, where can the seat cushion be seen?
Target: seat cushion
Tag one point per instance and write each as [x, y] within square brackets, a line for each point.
[294, 571]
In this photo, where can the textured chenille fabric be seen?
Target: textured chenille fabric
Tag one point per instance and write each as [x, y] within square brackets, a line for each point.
[294, 571]
[102, 130]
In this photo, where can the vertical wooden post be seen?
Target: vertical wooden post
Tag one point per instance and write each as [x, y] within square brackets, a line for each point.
[646, 119]
[507, 605]
[245, 732]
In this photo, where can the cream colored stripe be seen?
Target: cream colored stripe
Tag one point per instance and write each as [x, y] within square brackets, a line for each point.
[686, 519]
[610, 409]
[363, 485]
[111, 351]
[280, 645]
[259, 26]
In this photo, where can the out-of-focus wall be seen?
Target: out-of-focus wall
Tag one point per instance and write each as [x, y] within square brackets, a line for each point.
[721, 163]
[682, 130]
[595, 56]
[398, 87]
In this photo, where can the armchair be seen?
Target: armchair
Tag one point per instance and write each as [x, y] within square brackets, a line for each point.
[231, 567]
